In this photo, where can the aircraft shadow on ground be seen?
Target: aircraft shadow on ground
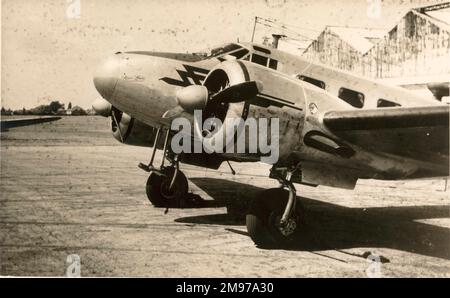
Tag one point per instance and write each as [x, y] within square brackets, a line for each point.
[330, 226]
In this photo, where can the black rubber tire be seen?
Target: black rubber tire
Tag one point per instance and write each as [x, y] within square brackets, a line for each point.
[262, 214]
[157, 186]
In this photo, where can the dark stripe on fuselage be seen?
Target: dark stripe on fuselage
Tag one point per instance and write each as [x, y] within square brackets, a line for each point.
[245, 70]
[277, 98]
[197, 75]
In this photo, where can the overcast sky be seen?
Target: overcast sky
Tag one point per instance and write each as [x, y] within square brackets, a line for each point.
[46, 55]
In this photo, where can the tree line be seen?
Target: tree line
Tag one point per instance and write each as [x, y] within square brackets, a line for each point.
[54, 108]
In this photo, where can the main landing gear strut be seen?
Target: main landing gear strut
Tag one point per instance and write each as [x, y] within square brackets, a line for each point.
[275, 217]
[167, 186]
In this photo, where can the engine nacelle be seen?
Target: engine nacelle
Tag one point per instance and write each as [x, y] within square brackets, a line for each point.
[298, 107]
[131, 131]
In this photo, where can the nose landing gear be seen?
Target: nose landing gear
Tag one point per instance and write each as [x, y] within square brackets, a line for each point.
[167, 186]
[159, 190]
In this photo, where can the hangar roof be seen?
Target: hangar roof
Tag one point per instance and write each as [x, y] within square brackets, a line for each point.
[361, 39]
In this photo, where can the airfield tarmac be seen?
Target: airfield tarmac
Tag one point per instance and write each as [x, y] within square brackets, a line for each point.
[68, 187]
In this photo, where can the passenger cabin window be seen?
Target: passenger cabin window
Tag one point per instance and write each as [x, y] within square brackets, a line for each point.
[352, 97]
[261, 60]
[313, 81]
[383, 103]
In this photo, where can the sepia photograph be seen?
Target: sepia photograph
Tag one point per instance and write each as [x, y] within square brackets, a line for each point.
[225, 139]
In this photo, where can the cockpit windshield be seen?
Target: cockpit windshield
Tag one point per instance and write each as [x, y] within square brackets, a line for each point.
[224, 49]
[229, 48]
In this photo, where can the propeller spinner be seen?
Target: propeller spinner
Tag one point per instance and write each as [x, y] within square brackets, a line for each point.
[102, 107]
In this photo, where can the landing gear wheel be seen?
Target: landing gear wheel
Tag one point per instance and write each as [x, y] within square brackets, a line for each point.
[158, 191]
[263, 219]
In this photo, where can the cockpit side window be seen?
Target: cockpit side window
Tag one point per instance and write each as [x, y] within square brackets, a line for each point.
[240, 53]
[258, 59]
[262, 50]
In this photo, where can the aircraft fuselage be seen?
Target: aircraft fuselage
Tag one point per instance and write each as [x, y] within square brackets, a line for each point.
[144, 85]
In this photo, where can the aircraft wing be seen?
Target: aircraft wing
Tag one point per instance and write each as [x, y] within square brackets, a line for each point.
[11, 123]
[419, 133]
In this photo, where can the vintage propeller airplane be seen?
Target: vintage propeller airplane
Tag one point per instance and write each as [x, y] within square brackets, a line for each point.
[334, 127]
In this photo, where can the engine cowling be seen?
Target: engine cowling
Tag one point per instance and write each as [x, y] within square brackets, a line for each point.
[270, 87]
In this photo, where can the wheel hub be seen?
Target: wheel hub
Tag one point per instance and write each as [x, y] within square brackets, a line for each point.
[288, 227]
[165, 191]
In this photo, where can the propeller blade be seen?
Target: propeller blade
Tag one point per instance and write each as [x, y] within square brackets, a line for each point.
[113, 116]
[173, 112]
[239, 92]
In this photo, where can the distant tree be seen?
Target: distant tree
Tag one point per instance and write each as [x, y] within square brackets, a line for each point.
[78, 111]
[55, 106]
[69, 106]
[61, 112]
[3, 111]
[41, 110]
[91, 112]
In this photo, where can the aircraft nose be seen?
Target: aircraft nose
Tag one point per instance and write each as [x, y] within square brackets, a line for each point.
[107, 75]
